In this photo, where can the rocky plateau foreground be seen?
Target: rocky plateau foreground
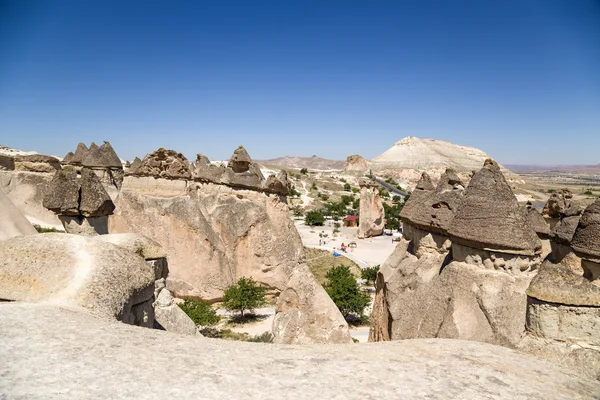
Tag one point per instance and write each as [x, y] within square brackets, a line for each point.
[55, 360]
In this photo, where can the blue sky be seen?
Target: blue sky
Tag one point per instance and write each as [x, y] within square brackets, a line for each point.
[518, 79]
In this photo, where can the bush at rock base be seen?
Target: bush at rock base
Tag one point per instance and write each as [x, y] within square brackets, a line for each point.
[343, 289]
[200, 312]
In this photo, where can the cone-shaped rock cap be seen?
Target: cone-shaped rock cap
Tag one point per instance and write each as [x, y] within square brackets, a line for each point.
[586, 240]
[77, 157]
[436, 211]
[240, 160]
[490, 218]
[423, 190]
[103, 156]
[537, 221]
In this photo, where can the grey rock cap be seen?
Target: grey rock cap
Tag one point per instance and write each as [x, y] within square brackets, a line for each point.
[489, 216]
[422, 191]
[67, 194]
[586, 240]
[77, 157]
[103, 157]
[240, 160]
[555, 283]
[163, 163]
[537, 221]
[436, 211]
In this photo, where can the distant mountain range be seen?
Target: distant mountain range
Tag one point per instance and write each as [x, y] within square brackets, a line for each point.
[313, 162]
[573, 169]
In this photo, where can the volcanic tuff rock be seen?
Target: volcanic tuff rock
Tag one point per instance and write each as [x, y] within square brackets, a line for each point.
[424, 290]
[36, 163]
[372, 213]
[434, 209]
[77, 157]
[101, 157]
[489, 216]
[586, 240]
[163, 163]
[356, 163]
[67, 194]
[216, 234]
[537, 222]
[12, 221]
[106, 280]
[240, 160]
[411, 156]
[84, 349]
[557, 203]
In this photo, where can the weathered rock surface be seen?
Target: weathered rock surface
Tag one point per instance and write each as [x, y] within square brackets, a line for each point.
[215, 234]
[555, 283]
[586, 239]
[490, 218]
[420, 295]
[372, 214]
[12, 221]
[557, 203]
[537, 222]
[101, 157]
[68, 194]
[411, 156]
[65, 353]
[434, 209]
[77, 157]
[434, 287]
[36, 163]
[104, 279]
[26, 191]
[356, 163]
[304, 315]
[163, 163]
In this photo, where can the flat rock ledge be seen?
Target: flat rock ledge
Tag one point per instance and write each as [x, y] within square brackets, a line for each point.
[50, 352]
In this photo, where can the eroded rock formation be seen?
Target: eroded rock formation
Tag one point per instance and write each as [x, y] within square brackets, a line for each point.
[223, 225]
[103, 160]
[80, 201]
[450, 276]
[105, 279]
[372, 214]
[356, 163]
[12, 221]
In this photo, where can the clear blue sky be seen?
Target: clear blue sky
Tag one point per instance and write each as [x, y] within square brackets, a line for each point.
[518, 79]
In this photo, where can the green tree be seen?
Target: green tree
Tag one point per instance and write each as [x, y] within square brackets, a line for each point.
[304, 171]
[345, 292]
[294, 192]
[200, 312]
[369, 274]
[245, 295]
[347, 187]
[314, 218]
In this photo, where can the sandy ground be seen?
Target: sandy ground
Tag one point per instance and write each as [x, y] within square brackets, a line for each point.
[368, 252]
[252, 328]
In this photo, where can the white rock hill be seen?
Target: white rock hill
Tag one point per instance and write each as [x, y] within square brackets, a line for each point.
[418, 155]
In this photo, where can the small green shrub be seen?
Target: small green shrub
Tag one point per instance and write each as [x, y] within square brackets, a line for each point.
[314, 218]
[45, 230]
[347, 187]
[201, 312]
[369, 274]
[304, 171]
[343, 289]
[245, 295]
[588, 192]
[265, 337]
